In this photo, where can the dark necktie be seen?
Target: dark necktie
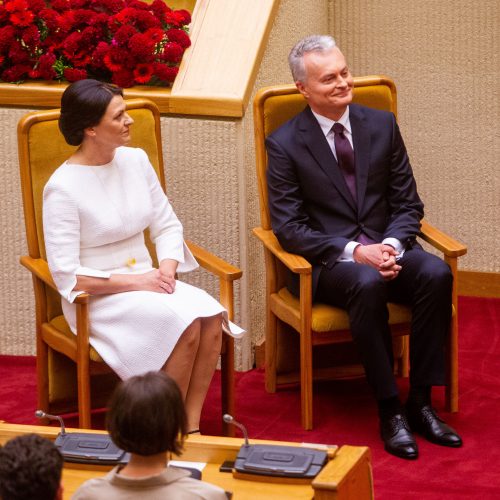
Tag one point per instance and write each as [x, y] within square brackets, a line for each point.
[345, 157]
[345, 160]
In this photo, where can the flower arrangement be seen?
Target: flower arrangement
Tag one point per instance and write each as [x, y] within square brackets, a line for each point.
[126, 42]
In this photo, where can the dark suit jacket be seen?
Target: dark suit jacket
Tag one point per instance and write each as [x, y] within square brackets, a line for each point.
[312, 211]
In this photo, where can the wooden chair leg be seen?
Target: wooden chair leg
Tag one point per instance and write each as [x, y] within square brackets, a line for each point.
[227, 382]
[42, 375]
[306, 383]
[271, 350]
[451, 391]
[451, 394]
[83, 383]
[405, 357]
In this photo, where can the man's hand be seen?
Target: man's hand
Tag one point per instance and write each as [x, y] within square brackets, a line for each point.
[380, 257]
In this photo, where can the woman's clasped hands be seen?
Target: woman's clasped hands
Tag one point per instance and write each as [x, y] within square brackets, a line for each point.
[161, 280]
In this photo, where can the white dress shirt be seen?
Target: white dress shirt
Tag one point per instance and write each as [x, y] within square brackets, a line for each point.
[326, 125]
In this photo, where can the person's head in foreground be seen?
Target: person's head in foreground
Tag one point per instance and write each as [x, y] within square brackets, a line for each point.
[30, 468]
[321, 74]
[93, 112]
[146, 415]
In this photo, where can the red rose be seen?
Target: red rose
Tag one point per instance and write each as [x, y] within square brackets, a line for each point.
[60, 5]
[36, 5]
[80, 4]
[142, 47]
[16, 6]
[45, 66]
[159, 7]
[124, 34]
[145, 19]
[112, 6]
[99, 54]
[17, 53]
[179, 36]
[16, 73]
[6, 37]
[123, 78]
[73, 75]
[154, 34]
[165, 73]
[137, 4]
[172, 52]
[31, 37]
[24, 18]
[50, 18]
[184, 16]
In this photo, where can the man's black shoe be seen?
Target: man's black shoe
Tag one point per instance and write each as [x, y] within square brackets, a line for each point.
[397, 437]
[426, 422]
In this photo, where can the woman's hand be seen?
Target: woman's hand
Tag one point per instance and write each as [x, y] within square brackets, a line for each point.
[158, 280]
[168, 268]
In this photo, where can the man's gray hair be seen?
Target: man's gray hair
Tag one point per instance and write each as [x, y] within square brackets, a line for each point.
[313, 43]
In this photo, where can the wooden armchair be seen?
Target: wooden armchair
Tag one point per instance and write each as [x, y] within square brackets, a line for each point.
[41, 150]
[320, 324]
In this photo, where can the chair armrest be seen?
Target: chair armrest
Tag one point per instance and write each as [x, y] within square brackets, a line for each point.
[40, 269]
[294, 262]
[440, 240]
[214, 264]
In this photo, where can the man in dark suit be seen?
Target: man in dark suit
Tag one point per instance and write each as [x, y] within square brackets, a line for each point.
[343, 195]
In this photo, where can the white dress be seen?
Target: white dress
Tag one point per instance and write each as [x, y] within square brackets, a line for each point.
[93, 220]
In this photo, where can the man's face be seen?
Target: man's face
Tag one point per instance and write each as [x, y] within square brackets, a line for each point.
[328, 84]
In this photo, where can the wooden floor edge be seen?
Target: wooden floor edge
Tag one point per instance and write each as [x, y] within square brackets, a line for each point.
[479, 284]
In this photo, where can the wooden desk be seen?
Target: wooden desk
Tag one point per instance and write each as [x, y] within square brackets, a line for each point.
[347, 475]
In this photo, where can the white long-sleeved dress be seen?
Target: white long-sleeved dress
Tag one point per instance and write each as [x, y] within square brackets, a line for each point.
[93, 221]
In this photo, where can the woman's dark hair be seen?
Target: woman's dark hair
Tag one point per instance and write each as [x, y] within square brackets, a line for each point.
[146, 415]
[83, 105]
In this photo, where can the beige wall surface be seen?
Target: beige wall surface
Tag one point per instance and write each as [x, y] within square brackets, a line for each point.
[444, 57]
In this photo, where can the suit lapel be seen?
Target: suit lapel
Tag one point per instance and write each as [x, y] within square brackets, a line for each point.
[361, 142]
[319, 148]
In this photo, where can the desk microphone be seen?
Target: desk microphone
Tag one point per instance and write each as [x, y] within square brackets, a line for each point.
[42, 414]
[229, 419]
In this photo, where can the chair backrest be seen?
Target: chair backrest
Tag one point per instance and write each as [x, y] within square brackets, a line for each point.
[42, 149]
[275, 105]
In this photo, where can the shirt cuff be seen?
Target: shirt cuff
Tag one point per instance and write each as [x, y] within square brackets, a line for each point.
[348, 254]
[396, 244]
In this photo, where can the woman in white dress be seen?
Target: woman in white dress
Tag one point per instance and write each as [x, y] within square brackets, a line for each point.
[96, 206]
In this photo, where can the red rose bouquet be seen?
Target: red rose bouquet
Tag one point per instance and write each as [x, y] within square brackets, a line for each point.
[127, 42]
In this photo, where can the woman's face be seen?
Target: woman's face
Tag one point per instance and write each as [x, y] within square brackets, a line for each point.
[114, 128]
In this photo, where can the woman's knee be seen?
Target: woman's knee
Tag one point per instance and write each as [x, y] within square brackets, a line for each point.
[191, 334]
[212, 327]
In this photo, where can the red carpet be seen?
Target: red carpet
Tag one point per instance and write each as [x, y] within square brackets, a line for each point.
[345, 413]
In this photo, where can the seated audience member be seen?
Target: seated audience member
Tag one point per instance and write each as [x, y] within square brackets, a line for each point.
[146, 418]
[342, 194]
[109, 194]
[30, 468]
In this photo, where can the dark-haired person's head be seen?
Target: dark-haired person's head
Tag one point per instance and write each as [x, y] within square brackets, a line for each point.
[146, 415]
[83, 105]
[30, 468]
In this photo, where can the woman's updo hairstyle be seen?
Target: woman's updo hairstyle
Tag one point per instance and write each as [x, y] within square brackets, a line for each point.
[83, 105]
